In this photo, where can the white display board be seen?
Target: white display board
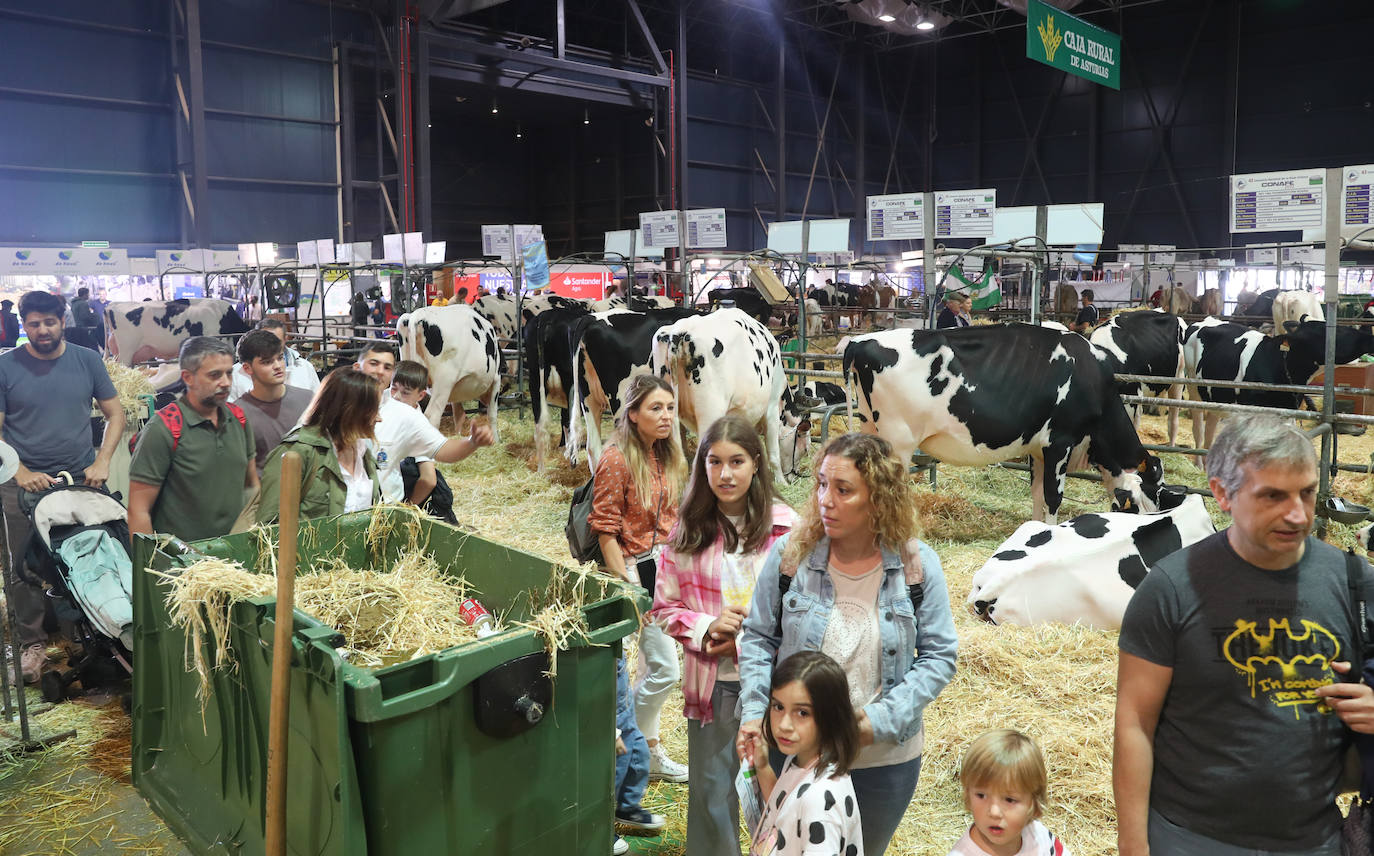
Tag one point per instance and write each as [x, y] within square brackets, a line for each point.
[1260, 254]
[407, 248]
[828, 236]
[706, 228]
[660, 228]
[1278, 201]
[1315, 256]
[1013, 224]
[356, 253]
[617, 243]
[785, 237]
[1135, 254]
[434, 252]
[1079, 223]
[965, 213]
[317, 252]
[897, 217]
[182, 260]
[496, 238]
[225, 259]
[57, 262]
[1356, 182]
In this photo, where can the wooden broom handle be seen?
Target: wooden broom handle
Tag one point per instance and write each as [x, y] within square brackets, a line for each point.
[280, 711]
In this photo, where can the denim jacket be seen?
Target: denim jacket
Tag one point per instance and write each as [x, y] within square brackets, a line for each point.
[918, 647]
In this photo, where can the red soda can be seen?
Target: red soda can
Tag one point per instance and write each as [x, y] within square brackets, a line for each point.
[475, 615]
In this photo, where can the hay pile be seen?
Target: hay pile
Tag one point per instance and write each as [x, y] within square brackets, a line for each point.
[385, 617]
[130, 385]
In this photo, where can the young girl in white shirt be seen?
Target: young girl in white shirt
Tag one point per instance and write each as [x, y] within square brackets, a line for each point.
[809, 808]
[1004, 781]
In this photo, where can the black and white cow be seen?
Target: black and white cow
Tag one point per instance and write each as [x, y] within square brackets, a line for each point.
[611, 347]
[725, 362]
[498, 309]
[549, 351]
[1220, 350]
[1145, 343]
[137, 332]
[747, 300]
[981, 395]
[1084, 570]
[533, 307]
[459, 348]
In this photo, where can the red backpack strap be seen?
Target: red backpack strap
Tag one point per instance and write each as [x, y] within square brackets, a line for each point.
[238, 413]
[171, 417]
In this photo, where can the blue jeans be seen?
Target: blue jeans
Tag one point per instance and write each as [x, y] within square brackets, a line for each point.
[1170, 839]
[883, 794]
[712, 805]
[632, 768]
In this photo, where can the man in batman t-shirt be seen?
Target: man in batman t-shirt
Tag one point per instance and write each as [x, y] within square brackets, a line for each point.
[1232, 710]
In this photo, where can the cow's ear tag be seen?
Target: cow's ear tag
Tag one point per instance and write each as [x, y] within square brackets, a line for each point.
[1142, 466]
[1285, 347]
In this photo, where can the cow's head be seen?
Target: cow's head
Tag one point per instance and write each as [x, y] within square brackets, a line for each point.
[1139, 490]
[794, 440]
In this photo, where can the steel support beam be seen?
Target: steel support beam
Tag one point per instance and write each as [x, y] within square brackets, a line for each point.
[189, 116]
[780, 127]
[540, 60]
[859, 187]
[560, 32]
[424, 192]
[347, 146]
[660, 67]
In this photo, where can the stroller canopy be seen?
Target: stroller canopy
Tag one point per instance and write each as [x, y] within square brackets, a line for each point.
[78, 527]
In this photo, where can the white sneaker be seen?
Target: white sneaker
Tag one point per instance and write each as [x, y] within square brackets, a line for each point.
[664, 769]
[620, 847]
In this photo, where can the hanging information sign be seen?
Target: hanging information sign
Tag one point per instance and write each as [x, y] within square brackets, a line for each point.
[706, 227]
[434, 252]
[965, 213]
[897, 217]
[1357, 182]
[660, 228]
[496, 239]
[1072, 45]
[58, 262]
[181, 259]
[1278, 201]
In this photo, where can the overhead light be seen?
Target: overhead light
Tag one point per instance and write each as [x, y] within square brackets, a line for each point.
[517, 130]
[586, 116]
[886, 19]
[925, 24]
[494, 108]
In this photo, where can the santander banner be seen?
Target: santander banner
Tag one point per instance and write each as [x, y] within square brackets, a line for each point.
[589, 284]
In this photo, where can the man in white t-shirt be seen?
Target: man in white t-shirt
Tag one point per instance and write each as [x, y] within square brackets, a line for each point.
[403, 432]
[299, 372]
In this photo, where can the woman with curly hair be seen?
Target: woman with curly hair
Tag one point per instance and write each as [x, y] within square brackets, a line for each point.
[853, 581]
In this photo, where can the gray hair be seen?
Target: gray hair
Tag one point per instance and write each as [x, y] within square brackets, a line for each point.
[1259, 440]
[195, 349]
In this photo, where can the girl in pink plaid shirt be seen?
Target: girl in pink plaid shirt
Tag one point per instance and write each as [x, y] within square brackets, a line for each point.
[728, 520]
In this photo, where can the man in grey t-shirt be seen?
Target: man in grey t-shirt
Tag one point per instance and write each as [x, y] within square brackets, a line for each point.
[46, 388]
[272, 406]
[1231, 703]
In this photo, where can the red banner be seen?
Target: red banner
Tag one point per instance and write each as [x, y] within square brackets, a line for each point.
[589, 285]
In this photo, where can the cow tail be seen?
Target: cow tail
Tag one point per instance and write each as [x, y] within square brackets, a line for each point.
[575, 407]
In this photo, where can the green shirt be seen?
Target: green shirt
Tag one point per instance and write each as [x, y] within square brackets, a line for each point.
[202, 481]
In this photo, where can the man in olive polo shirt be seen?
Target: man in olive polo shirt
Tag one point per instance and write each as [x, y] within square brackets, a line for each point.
[196, 490]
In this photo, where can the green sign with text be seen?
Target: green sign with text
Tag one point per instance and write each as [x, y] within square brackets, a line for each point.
[1069, 44]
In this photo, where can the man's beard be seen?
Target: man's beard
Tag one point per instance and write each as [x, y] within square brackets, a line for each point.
[211, 400]
[48, 347]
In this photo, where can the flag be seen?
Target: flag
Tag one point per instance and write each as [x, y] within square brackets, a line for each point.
[985, 290]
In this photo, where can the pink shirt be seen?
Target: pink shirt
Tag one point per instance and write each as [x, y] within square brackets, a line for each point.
[687, 599]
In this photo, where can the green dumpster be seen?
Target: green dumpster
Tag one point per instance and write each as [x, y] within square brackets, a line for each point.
[468, 750]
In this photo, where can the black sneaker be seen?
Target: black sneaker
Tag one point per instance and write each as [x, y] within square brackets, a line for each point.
[640, 819]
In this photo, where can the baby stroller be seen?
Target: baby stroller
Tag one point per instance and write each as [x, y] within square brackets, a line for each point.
[80, 549]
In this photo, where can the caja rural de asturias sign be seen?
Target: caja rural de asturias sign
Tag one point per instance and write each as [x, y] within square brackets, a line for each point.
[1072, 45]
